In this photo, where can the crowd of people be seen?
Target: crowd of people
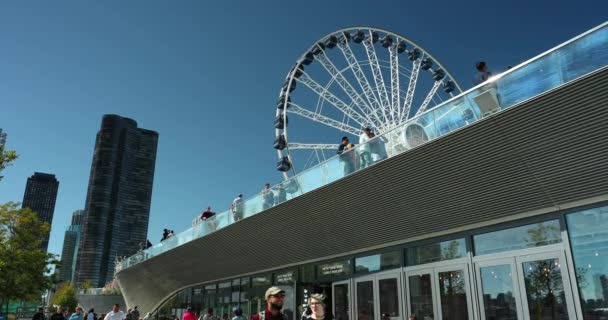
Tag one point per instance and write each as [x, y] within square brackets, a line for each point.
[79, 314]
[316, 308]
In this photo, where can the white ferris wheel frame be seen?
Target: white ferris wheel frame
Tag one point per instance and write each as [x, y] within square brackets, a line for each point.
[389, 106]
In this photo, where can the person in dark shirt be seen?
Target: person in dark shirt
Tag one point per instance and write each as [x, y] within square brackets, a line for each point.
[346, 157]
[207, 214]
[58, 315]
[207, 217]
[275, 297]
[38, 315]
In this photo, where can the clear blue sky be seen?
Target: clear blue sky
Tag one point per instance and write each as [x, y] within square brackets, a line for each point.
[205, 75]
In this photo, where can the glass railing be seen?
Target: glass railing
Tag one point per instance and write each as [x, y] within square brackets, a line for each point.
[569, 61]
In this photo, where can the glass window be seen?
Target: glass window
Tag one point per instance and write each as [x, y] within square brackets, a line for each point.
[588, 231]
[244, 283]
[365, 300]
[389, 293]
[421, 296]
[261, 281]
[439, 251]
[498, 299]
[377, 262]
[528, 236]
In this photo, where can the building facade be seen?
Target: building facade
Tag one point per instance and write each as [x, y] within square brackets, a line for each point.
[118, 199]
[40, 196]
[501, 217]
[69, 252]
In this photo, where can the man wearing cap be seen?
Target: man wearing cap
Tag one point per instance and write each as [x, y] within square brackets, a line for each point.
[274, 303]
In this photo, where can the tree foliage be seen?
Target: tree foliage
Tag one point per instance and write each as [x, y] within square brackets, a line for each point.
[24, 267]
[6, 156]
[66, 297]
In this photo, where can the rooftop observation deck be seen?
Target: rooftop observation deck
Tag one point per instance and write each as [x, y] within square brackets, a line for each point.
[561, 65]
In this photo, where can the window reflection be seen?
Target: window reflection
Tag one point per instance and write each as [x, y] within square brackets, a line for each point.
[498, 299]
[378, 262]
[545, 289]
[528, 236]
[453, 295]
[436, 252]
[588, 232]
[421, 296]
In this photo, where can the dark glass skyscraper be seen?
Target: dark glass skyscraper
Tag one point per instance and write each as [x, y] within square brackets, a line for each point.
[117, 207]
[70, 247]
[40, 196]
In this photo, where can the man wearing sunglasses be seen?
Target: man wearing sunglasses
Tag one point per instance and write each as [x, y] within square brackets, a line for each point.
[275, 297]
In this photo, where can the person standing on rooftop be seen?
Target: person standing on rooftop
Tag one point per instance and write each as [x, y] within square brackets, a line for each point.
[237, 207]
[267, 197]
[482, 73]
[346, 157]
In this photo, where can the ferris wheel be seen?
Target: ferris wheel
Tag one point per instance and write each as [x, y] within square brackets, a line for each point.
[352, 79]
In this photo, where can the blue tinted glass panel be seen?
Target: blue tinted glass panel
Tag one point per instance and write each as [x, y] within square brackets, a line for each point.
[588, 232]
[528, 236]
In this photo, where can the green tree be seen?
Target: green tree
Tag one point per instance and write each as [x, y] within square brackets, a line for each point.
[66, 297]
[6, 156]
[23, 265]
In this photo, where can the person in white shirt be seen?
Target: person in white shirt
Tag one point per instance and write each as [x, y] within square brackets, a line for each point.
[237, 207]
[365, 148]
[115, 314]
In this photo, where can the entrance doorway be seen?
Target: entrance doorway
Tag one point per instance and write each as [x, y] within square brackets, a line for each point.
[527, 286]
[441, 292]
[378, 297]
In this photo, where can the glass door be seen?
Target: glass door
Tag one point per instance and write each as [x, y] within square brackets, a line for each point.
[364, 299]
[544, 283]
[453, 297]
[341, 300]
[378, 297]
[388, 299]
[529, 287]
[498, 289]
[421, 295]
[440, 292]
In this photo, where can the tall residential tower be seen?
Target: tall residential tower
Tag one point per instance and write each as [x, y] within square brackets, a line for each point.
[118, 199]
[40, 196]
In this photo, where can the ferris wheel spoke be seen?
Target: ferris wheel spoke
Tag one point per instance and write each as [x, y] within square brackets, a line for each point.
[378, 79]
[428, 98]
[395, 100]
[332, 99]
[312, 146]
[353, 63]
[409, 95]
[337, 75]
[296, 109]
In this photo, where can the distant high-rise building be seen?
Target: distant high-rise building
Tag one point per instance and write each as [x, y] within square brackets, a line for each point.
[40, 196]
[70, 247]
[118, 200]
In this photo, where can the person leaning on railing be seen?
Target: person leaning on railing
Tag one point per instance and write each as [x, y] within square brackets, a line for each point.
[237, 207]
